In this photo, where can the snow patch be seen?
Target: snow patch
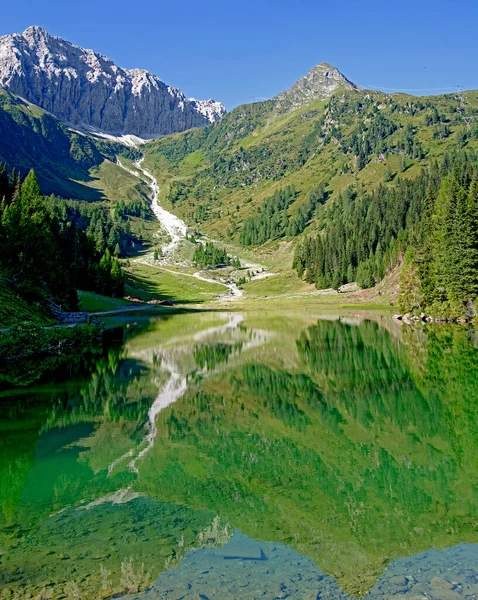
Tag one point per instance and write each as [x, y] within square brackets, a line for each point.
[130, 140]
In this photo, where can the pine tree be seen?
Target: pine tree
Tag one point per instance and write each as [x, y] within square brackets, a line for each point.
[469, 263]
[411, 296]
[4, 184]
[117, 278]
[449, 239]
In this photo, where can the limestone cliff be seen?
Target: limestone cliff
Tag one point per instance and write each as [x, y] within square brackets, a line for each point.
[88, 91]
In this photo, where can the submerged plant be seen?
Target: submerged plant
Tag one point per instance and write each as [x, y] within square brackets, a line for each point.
[105, 577]
[215, 534]
[133, 579]
[72, 591]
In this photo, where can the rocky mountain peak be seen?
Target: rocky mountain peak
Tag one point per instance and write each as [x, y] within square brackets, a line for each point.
[35, 31]
[88, 91]
[319, 84]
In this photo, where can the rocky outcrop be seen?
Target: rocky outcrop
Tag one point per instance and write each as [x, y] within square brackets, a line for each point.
[319, 84]
[88, 91]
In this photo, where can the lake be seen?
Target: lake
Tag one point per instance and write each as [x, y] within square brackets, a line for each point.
[247, 455]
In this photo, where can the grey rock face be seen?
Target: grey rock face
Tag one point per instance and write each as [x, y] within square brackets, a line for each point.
[88, 91]
[319, 84]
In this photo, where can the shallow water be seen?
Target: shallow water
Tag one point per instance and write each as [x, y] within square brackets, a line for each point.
[331, 456]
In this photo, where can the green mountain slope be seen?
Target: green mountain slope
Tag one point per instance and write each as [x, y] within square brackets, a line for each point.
[227, 178]
[326, 182]
[75, 166]
[67, 163]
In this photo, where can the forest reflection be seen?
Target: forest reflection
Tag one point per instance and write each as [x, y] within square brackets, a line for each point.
[351, 442]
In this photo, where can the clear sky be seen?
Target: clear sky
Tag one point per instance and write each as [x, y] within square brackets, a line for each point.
[235, 51]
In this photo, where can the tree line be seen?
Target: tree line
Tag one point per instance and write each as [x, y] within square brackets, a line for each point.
[46, 257]
[440, 274]
[364, 235]
[109, 229]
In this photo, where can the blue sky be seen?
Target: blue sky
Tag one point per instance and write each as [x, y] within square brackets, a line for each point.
[240, 50]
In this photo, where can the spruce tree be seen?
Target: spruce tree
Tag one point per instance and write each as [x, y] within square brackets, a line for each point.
[469, 266]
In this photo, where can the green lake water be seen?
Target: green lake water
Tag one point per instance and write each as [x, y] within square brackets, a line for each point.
[247, 455]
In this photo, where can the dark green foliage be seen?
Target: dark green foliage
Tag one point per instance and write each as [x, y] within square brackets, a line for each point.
[209, 255]
[363, 359]
[27, 350]
[441, 270]
[409, 143]
[135, 208]
[283, 392]
[106, 230]
[441, 132]
[433, 117]
[271, 221]
[365, 234]
[45, 256]
[110, 278]
[365, 142]
[177, 192]
[362, 237]
[31, 252]
[317, 195]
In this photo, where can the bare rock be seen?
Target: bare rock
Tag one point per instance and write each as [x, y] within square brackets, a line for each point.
[348, 287]
[319, 84]
[89, 92]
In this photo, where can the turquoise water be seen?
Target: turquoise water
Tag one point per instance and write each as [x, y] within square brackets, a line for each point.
[342, 448]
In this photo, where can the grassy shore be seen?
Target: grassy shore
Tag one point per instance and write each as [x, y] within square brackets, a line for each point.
[92, 302]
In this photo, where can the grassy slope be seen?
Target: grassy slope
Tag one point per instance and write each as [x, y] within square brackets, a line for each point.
[115, 183]
[262, 149]
[154, 283]
[67, 163]
[148, 283]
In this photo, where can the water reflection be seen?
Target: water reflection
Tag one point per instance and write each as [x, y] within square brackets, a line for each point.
[348, 442]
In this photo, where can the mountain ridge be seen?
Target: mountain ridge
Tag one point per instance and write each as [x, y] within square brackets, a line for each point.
[85, 89]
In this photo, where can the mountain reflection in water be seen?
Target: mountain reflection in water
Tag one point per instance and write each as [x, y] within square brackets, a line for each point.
[338, 444]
